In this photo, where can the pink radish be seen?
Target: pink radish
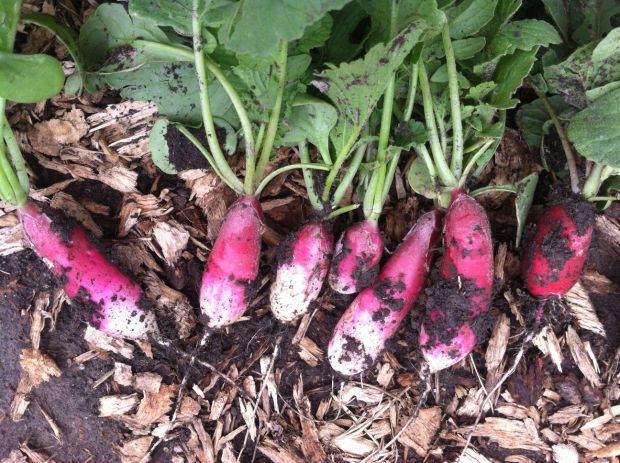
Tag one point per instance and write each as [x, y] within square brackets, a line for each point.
[356, 258]
[554, 257]
[374, 315]
[232, 267]
[121, 309]
[303, 263]
[449, 329]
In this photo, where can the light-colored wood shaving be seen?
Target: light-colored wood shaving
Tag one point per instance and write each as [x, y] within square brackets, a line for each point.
[123, 374]
[310, 446]
[218, 404]
[547, 342]
[154, 405]
[277, 453]
[353, 391]
[100, 340]
[11, 240]
[134, 450]
[50, 136]
[581, 357]
[511, 434]
[606, 417]
[578, 302]
[172, 239]
[567, 415]
[565, 453]
[147, 382]
[421, 432]
[15, 457]
[310, 352]
[385, 375]
[611, 450]
[120, 404]
[471, 456]
[136, 206]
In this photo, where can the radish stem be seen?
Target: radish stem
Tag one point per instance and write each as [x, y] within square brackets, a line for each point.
[413, 81]
[274, 118]
[593, 183]
[488, 189]
[350, 173]
[205, 106]
[16, 155]
[472, 161]
[568, 150]
[445, 174]
[312, 196]
[342, 210]
[277, 172]
[455, 105]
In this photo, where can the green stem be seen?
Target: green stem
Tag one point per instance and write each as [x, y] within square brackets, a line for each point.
[6, 193]
[488, 189]
[277, 172]
[342, 210]
[455, 104]
[441, 128]
[16, 155]
[369, 197]
[445, 174]
[391, 171]
[274, 118]
[472, 161]
[474, 147]
[260, 137]
[315, 202]
[349, 174]
[340, 158]
[205, 106]
[11, 187]
[413, 81]
[593, 183]
[568, 150]
[426, 156]
[603, 198]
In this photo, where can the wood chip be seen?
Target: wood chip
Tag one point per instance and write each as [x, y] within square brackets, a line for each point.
[310, 352]
[123, 374]
[581, 358]
[113, 405]
[567, 415]
[66, 203]
[421, 432]
[565, 453]
[154, 405]
[15, 457]
[607, 416]
[581, 308]
[511, 434]
[172, 239]
[147, 382]
[50, 136]
[100, 340]
[612, 450]
[547, 342]
[134, 450]
[310, 446]
[11, 240]
[471, 456]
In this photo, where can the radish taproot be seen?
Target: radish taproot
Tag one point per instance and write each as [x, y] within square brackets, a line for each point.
[553, 258]
[375, 314]
[121, 309]
[455, 307]
[303, 263]
[232, 268]
[356, 258]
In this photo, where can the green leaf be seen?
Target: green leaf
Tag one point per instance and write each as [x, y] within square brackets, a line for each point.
[316, 34]
[523, 35]
[607, 47]
[525, 195]
[111, 27]
[174, 88]
[481, 90]
[532, 117]
[595, 131]
[346, 42]
[407, 10]
[355, 87]
[311, 120]
[509, 74]
[504, 10]
[9, 16]
[598, 92]
[29, 78]
[281, 20]
[579, 73]
[468, 48]
[469, 16]
[420, 180]
[159, 147]
[174, 13]
[558, 13]
[410, 133]
[593, 18]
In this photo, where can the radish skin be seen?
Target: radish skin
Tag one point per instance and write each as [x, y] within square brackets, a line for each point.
[356, 258]
[302, 266]
[375, 314]
[448, 334]
[121, 309]
[554, 257]
[232, 267]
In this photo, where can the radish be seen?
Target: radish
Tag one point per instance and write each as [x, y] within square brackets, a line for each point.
[232, 267]
[554, 257]
[303, 263]
[356, 258]
[455, 306]
[121, 309]
[375, 314]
